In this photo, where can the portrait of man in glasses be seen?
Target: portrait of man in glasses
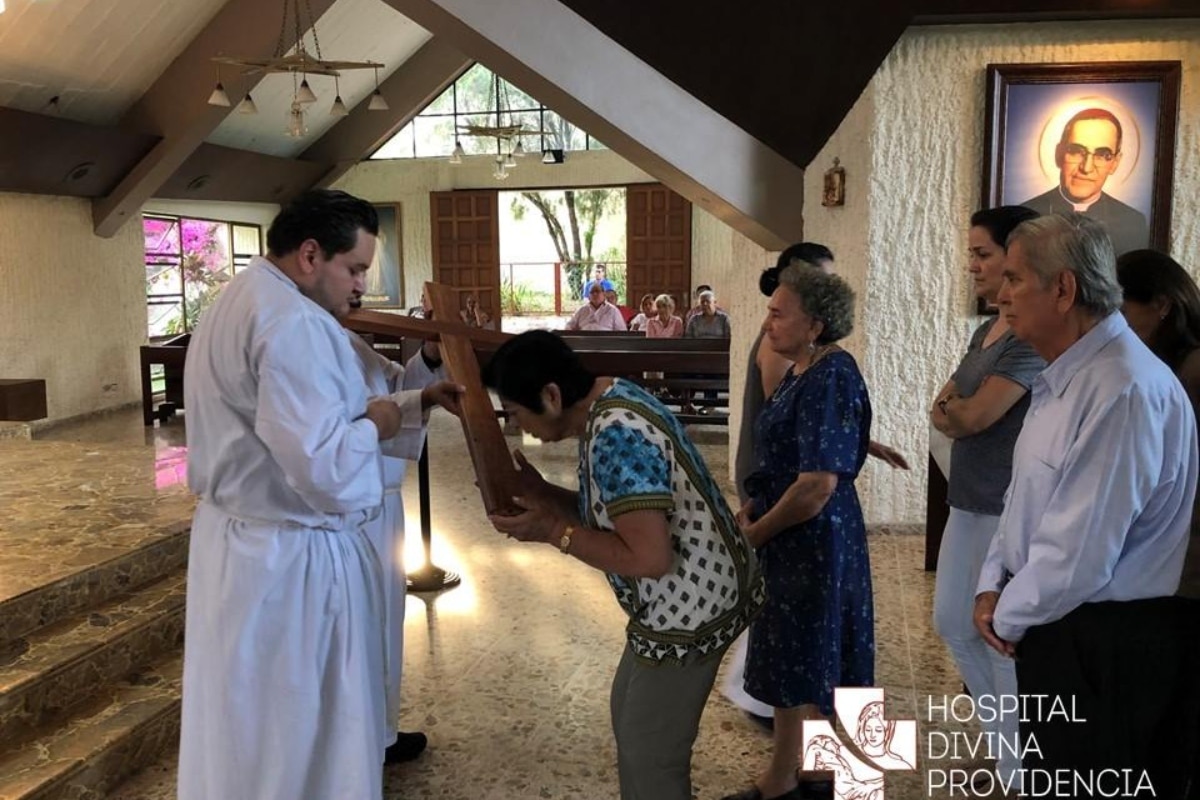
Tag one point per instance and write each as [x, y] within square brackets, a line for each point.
[1088, 153]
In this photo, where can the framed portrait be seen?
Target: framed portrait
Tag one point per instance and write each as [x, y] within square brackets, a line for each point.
[384, 288]
[1096, 138]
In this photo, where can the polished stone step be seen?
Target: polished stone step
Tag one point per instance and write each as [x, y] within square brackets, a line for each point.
[44, 675]
[126, 725]
[92, 584]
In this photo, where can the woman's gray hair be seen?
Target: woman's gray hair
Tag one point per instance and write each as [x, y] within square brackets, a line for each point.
[1076, 243]
[823, 296]
[665, 300]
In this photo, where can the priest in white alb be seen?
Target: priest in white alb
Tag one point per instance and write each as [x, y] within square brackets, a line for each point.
[284, 684]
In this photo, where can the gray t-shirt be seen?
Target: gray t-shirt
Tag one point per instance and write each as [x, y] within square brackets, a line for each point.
[981, 465]
[702, 327]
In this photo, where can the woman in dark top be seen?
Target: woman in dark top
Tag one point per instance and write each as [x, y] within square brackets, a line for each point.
[982, 408]
[1162, 305]
[817, 628]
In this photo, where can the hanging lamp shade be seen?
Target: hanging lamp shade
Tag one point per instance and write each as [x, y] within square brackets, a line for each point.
[377, 102]
[305, 93]
[219, 97]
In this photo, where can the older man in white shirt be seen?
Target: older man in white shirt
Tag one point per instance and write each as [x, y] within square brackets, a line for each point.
[597, 314]
[1079, 579]
[284, 679]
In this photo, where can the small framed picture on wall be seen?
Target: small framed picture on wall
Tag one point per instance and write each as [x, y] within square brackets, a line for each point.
[384, 287]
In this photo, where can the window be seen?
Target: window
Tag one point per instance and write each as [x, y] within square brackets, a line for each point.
[481, 97]
[187, 263]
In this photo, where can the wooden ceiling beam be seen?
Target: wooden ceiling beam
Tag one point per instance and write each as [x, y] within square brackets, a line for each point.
[176, 107]
[417, 82]
[561, 59]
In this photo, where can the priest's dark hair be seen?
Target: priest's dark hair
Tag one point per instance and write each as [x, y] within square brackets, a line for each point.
[526, 364]
[809, 253]
[330, 217]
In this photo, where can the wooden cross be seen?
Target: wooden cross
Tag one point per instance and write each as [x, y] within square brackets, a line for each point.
[494, 470]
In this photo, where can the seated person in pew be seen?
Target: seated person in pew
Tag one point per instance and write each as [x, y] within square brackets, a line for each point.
[642, 486]
[626, 311]
[597, 314]
[665, 325]
[638, 323]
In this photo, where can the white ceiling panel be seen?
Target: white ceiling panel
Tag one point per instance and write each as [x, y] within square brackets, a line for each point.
[352, 30]
[97, 56]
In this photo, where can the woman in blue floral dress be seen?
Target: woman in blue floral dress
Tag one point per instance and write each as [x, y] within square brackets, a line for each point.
[817, 629]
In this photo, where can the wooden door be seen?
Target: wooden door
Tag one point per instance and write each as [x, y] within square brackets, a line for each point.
[658, 240]
[466, 246]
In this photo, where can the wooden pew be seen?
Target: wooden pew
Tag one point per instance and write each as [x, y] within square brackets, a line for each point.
[678, 370]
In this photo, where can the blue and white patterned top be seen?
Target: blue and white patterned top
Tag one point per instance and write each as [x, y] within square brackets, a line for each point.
[634, 455]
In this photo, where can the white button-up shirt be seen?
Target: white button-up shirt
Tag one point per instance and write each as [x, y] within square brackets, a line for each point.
[606, 317]
[1104, 475]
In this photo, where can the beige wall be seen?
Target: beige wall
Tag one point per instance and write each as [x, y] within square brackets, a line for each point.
[912, 149]
[72, 304]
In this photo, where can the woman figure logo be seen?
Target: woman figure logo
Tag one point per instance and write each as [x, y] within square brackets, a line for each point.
[824, 754]
[874, 738]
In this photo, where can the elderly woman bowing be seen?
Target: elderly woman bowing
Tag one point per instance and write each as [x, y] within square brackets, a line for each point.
[651, 517]
[816, 631]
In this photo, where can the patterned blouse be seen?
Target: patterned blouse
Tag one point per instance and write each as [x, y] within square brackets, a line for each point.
[634, 455]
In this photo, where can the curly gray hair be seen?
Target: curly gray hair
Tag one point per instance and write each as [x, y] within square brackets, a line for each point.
[823, 296]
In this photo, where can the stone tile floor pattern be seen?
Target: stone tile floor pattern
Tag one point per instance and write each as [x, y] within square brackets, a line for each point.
[509, 673]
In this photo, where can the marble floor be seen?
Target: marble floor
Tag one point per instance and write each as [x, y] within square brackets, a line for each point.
[509, 673]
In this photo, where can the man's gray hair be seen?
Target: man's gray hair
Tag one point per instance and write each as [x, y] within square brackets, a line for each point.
[1076, 243]
[707, 293]
[823, 296]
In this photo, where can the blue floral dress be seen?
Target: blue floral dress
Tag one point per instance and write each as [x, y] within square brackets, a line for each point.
[817, 630]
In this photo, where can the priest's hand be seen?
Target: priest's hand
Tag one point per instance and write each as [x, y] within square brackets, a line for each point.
[531, 522]
[386, 416]
[446, 394]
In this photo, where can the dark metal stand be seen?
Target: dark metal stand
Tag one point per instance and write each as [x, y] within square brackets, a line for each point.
[429, 578]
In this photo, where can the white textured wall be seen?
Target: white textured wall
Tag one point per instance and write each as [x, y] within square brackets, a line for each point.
[912, 149]
[72, 304]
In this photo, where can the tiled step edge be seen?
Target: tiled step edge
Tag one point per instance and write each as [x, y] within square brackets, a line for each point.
[59, 666]
[136, 722]
[91, 587]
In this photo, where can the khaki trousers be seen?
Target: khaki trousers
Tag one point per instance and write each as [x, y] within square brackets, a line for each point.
[656, 712]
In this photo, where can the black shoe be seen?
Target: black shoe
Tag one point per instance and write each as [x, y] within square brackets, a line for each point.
[406, 748]
[766, 723]
[816, 790]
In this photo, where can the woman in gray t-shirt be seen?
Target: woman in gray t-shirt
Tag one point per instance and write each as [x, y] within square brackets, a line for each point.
[981, 408]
